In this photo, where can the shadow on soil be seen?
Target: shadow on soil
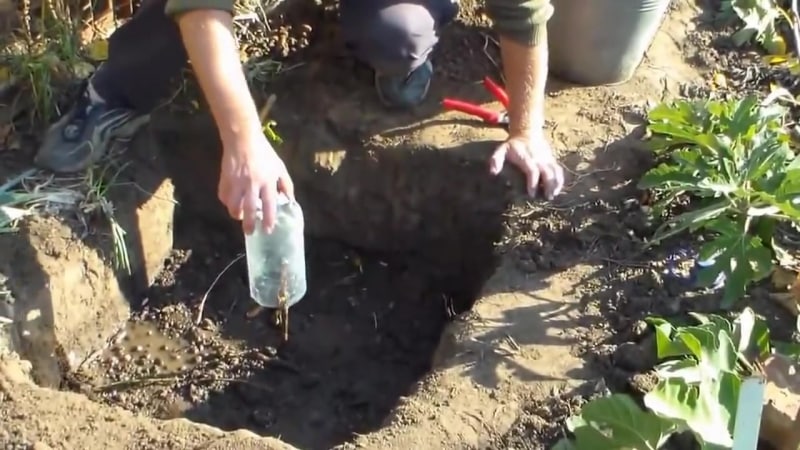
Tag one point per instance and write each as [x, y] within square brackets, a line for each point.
[366, 332]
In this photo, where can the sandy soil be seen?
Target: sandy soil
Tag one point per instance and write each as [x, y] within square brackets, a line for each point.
[390, 349]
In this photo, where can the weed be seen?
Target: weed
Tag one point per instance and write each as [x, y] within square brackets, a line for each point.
[98, 182]
[45, 60]
[735, 160]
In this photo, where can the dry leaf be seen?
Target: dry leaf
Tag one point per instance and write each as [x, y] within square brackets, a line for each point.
[719, 81]
[98, 50]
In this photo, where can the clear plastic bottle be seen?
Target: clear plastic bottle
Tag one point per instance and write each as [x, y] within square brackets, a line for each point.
[276, 262]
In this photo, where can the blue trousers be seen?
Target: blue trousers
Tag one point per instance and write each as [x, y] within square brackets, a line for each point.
[146, 53]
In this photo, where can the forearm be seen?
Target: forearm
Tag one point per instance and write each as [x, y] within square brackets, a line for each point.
[211, 45]
[522, 27]
[525, 70]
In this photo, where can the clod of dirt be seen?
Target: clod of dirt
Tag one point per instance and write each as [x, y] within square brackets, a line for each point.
[636, 357]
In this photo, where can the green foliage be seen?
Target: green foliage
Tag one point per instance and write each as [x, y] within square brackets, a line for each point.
[702, 376]
[700, 379]
[759, 18]
[616, 422]
[272, 135]
[733, 158]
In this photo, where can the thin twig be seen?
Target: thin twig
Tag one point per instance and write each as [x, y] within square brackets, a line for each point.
[625, 263]
[263, 114]
[491, 59]
[214, 283]
[171, 378]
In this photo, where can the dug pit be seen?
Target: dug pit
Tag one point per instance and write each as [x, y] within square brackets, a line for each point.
[396, 249]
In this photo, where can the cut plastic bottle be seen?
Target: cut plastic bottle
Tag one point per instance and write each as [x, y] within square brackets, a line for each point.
[276, 262]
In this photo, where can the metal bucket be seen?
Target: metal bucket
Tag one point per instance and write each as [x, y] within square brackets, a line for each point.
[600, 42]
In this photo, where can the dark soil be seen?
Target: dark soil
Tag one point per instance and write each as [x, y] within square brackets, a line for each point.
[359, 340]
[365, 333]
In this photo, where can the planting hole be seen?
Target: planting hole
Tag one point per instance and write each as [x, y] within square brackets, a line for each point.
[359, 341]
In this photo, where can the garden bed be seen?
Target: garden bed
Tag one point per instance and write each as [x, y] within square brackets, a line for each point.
[444, 310]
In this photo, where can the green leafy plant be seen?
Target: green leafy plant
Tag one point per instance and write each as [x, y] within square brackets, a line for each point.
[16, 204]
[703, 372]
[616, 422]
[759, 18]
[734, 160]
[701, 375]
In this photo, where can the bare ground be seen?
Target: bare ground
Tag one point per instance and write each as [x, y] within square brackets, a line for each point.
[388, 350]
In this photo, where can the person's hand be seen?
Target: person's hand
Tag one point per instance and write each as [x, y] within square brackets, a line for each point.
[531, 153]
[251, 175]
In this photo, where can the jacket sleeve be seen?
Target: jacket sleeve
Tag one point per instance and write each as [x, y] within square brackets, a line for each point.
[177, 7]
[524, 21]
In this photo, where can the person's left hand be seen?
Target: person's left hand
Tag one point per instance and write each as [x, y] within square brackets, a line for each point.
[531, 153]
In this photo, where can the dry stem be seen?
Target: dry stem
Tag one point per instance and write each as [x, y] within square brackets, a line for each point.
[214, 283]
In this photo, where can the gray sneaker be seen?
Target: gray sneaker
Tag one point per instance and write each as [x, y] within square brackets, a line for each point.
[83, 135]
[405, 91]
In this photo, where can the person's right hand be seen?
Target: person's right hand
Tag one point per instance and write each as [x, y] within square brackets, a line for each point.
[251, 175]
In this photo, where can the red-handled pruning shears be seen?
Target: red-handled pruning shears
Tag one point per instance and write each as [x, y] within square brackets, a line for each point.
[487, 115]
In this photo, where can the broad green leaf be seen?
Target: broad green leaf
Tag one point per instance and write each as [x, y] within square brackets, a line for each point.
[757, 15]
[751, 335]
[717, 143]
[678, 133]
[743, 118]
[790, 185]
[665, 112]
[742, 36]
[741, 257]
[564, 444]
[707, 408]
[718, 187]
[718, 322]
[623, 423]
[686, 369]
[713, 349]
[667, 175]
[665, 347]
[772, 41]
[765, 157]
[691, 219]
